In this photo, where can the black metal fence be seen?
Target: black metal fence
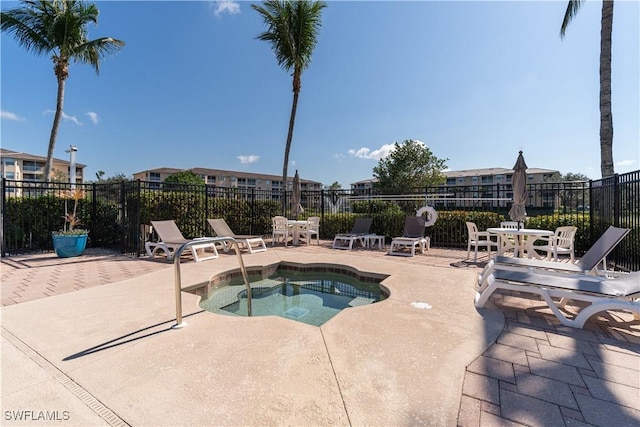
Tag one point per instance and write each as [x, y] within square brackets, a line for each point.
[118, 215]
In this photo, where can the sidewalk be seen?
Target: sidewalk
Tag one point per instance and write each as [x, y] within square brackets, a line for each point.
[536, 372]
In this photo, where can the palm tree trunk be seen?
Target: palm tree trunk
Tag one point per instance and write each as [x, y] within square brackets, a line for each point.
[54, 129]
[292, 119]
[606, 118]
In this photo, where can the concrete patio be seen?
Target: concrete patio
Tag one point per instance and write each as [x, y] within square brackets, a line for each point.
[88, 341]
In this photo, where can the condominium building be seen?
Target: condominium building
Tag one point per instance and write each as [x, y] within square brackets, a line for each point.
[28, 167]
[488, 187]
[229, 179]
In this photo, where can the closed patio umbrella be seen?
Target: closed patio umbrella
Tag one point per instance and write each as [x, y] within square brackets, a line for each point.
[519, 184]
[296, 196]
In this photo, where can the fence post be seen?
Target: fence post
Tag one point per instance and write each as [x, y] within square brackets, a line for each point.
[206, 207]
[616, 200]
[94, 206]
[322, 209]
[139, 236]
[253, 210]
[2, 203]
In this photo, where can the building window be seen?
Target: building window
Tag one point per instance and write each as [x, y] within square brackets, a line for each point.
[32, 166]
[154, 176]
[251, 182]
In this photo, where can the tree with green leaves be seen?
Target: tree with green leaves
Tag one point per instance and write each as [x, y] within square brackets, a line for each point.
[292, 31]
[571, 188]
[184, 177]
[118, 177]
[606, 117]
[58, 28]
[410, 165]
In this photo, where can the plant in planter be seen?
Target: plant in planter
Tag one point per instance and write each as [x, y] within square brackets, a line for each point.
[70, 241]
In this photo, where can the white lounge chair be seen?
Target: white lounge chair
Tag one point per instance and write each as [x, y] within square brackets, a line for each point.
[358, 233]
[412, 238]
[602, 293]
[171, 239]
[587, 265]
[252, 243]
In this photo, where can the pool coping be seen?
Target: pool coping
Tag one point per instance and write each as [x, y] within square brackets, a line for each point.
[388, 363]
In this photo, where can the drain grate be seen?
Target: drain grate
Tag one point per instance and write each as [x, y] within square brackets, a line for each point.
[85, 397]
[296, 312]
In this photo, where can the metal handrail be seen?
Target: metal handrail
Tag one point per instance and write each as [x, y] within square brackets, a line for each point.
[178, 278]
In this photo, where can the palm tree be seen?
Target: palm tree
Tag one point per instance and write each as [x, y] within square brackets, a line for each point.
[292, 30]
[58, 28]
[606, 118]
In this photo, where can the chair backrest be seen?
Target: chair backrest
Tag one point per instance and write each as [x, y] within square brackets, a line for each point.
[564, 236]
[472, 229]
[168, 231]
[279, 223]
[313, 223]
[220, 227]
[510, 224]
[362, 226]
[414, 227]
[602, 247]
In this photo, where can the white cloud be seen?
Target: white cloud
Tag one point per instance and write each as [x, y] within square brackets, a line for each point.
[380, 153]
[65, 116]
[7, 115]
[367, 153]
[93, 117]
[248, 159]
[225, 6]
[624, 163]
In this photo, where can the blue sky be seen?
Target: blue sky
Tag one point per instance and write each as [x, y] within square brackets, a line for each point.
[193, 87]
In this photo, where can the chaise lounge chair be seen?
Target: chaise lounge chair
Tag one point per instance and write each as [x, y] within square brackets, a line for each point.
[252, 243]
[588, 264]
[171, 239]
[358, 232]
[602, 293]
[413, 237]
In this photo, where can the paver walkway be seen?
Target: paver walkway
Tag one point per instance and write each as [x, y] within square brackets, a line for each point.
[537, 373]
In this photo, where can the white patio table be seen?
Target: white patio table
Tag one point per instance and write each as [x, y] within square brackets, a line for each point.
[524, 242]
[296, 225]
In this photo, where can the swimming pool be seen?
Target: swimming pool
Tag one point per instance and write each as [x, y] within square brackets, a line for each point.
[310, 295]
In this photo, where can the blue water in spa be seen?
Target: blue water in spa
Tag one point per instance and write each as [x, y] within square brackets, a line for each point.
[311, 299]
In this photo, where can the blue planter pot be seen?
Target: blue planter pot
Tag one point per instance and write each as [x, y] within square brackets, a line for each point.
[69, 246]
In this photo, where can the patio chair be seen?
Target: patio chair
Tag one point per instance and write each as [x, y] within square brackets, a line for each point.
[507, 242]
[310, 229]
[252, 243]
[560, 243]
[281, 230]
[478, 239]
[413, 237]
[586, 265]
[358, 232]
[171, 239]
[599, 292]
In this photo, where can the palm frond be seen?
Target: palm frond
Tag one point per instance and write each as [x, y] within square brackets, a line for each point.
[572, 10]
[292, 28]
